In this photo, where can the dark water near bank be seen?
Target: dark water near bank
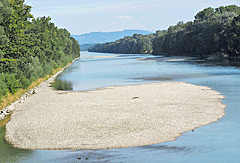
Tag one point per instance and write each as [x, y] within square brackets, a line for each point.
[216, 142]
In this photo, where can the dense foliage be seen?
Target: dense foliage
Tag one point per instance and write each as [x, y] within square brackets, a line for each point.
[30, 48]
[214, 32]
[85, 47]
[138, 43]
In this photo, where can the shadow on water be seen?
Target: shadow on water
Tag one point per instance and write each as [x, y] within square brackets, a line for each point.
[84, 156]
[9, 153]
[214, 63]
[157, 147]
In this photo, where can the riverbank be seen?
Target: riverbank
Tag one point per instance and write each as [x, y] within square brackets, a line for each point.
[10, 102]
[112, 117]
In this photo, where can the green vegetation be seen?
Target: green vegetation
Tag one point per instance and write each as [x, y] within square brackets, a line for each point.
[214, 33]
[30, 48]
[3, 122]
[85, 47]
[138, 43]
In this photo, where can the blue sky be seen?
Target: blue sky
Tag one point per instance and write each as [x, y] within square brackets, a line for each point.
[85, 16]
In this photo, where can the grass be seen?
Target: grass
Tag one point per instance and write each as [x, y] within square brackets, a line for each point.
[10, 98]
[5, 121]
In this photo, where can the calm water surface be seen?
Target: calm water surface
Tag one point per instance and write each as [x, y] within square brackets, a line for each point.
[216, 142]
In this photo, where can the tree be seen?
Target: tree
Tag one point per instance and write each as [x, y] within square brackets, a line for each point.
[212, 31]
[136, 44]
[30, 48]
[205, 14]
[232, 37]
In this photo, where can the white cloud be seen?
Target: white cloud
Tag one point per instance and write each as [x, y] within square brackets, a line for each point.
[74, 9]
[124, 17]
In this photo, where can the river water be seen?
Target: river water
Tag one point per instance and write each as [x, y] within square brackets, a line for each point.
[215, 142]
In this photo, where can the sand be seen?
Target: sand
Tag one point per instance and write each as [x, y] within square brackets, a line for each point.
[112, 117]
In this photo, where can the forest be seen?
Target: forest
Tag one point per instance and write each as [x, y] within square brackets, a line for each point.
[30, 48]
[135, 44]
[215, 32]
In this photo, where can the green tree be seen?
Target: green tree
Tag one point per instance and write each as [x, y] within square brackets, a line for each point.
[15, 25]
[205, 14]
[212, 31]
[30, 48]
[232, 37]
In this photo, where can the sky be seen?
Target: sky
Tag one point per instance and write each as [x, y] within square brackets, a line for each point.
[85, 16]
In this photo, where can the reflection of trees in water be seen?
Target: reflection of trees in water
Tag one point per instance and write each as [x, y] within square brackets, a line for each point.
[10, 154]
[223, 63]
[62, 85]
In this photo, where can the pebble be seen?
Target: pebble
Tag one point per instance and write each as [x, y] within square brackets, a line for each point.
[2, 116]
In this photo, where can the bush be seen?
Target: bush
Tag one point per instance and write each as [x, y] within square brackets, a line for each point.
[3, 88]
[11, 82]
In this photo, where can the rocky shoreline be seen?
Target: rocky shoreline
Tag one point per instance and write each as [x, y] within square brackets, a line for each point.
[9, 109]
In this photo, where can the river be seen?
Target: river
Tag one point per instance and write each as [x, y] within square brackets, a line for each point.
[215, 142]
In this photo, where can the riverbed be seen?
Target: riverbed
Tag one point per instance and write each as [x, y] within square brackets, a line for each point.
[216, 142]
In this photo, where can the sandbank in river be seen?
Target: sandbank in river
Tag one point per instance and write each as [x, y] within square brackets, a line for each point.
[112, 117]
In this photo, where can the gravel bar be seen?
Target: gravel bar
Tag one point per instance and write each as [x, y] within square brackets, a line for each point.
[112, 117]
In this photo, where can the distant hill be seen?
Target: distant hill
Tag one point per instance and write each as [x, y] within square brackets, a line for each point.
[103, 37]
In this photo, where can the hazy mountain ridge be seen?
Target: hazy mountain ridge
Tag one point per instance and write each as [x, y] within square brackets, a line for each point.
[103, 37]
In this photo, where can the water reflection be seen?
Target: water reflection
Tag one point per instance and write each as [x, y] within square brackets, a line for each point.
[216, 142]
[9, 153]
[83, 156]
[62, 85]
[213, 63]
[196, 61]
[157, 147]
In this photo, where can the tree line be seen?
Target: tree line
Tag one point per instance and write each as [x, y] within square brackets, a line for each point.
[214, 32]
[135, 44]
[30, 48]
